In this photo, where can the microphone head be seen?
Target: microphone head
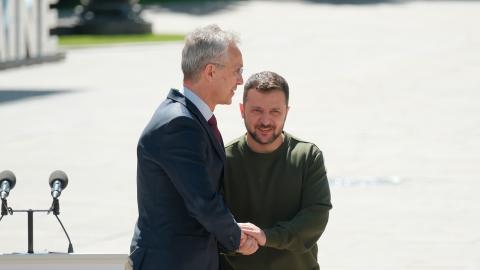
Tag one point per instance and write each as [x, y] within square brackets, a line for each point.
[9, 176]
[60, 176]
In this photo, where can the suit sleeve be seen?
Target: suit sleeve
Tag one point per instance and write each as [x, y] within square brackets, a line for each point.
[179, 148]
[302, 232]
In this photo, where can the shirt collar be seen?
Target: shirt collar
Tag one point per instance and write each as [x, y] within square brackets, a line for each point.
[198, 102]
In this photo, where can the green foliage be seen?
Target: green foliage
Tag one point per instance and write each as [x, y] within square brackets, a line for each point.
[85, 40]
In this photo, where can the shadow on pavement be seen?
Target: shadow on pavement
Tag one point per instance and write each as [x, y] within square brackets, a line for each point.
[12, 95]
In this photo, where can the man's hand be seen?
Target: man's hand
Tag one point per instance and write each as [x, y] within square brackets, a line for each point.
[248, 244]
[243, 238]
[252, 230]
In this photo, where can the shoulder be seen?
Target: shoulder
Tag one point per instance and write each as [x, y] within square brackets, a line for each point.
[169, 118]
[170, 110]
[301, 144]
[234, 146]
[301, 148]
[306, 155]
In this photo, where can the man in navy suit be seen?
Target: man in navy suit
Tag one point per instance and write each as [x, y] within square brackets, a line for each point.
[183, 222]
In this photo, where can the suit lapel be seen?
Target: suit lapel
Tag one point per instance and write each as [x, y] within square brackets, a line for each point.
[178, 97]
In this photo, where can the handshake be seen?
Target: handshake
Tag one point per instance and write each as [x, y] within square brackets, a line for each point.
[251, 238]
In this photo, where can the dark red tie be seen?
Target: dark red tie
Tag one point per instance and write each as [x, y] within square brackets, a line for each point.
[213, 124]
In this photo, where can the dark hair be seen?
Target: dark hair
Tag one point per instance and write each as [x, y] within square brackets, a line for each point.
[266, 81]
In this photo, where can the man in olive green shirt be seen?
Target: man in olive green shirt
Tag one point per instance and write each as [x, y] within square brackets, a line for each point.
[275, 181]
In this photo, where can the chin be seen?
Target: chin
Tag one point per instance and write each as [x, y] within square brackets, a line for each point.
[266, 141]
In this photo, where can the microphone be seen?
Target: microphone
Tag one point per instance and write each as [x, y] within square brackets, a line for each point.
[7, 182]
[58, 181]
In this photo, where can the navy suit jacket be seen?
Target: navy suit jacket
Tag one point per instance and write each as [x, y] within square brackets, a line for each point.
[182, 216]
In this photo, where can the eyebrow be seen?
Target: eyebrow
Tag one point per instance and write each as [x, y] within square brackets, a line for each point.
[258, 107]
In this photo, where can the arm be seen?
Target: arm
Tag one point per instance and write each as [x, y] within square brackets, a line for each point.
[248, 246]
[178, 147]
[301, 232]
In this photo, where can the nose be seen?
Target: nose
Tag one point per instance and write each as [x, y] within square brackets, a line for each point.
[240, 79]
[264, 119]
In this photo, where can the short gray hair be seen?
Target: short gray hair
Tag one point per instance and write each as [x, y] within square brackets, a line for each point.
[205, 45]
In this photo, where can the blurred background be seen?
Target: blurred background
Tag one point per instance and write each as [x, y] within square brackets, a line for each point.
[388, 90]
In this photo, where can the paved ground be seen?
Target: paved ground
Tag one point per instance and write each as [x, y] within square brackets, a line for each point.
[388, 90]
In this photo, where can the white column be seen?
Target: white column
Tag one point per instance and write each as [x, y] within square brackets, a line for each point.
[8, 31]
[27, 32]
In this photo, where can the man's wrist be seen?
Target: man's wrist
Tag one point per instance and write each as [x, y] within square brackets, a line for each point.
[269, 237]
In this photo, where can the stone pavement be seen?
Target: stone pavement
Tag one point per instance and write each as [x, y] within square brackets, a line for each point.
[388, 90]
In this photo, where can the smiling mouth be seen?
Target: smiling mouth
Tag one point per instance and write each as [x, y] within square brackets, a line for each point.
[265, 130]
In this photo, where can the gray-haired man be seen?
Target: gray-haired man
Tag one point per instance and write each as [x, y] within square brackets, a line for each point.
[183, 221]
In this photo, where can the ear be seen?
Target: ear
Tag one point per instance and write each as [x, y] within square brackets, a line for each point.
[242, 110]
[209, 71]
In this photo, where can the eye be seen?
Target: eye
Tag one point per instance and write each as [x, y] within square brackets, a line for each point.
[239, 71]
[275, 112]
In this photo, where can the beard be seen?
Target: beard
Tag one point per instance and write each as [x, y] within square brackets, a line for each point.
[257, 139]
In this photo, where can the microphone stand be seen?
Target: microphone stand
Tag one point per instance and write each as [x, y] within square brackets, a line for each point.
[56, 211]
[55, 208]
[4, 208]
[30, 225]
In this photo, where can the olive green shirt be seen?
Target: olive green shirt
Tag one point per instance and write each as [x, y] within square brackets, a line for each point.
[286, 194]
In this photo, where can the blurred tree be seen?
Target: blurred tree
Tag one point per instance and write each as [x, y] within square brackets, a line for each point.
[64, 4]
[111, 17]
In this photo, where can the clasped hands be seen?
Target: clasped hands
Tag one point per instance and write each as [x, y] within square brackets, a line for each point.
[251, 238]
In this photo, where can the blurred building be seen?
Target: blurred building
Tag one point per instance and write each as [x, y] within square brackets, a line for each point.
[25, 36]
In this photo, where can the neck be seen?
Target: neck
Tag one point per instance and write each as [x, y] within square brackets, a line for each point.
[264, 148]
[201, 91]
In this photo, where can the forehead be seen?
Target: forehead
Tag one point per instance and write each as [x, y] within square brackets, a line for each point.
[271, 98]
[234, 54]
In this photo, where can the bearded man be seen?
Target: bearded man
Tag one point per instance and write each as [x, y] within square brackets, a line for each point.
[275, 181]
